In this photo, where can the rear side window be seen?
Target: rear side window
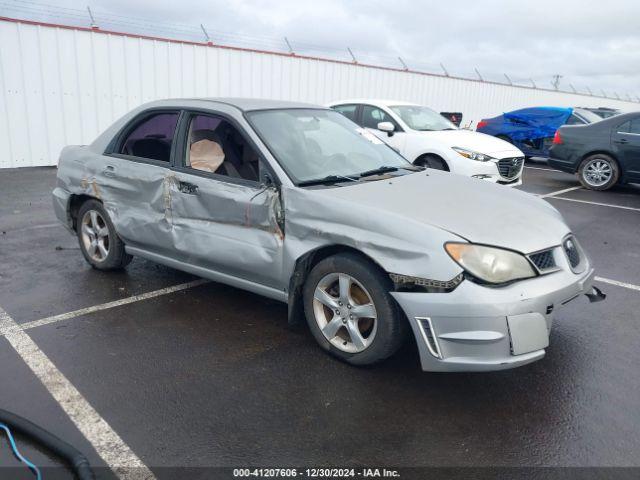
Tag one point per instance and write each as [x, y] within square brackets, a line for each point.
[348, 111]
[573, 120]
[151, 138]
[635, 126]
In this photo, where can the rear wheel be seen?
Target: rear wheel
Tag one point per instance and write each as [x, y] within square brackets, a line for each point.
[431, 161]
[99, 242]
[599, 172]
[350, 311]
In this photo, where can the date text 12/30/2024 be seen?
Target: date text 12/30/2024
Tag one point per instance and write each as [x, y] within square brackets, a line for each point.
[315, 473]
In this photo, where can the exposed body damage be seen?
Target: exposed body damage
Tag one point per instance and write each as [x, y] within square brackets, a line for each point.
[266, 237]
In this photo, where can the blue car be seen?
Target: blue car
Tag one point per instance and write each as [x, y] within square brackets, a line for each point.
[532, 129]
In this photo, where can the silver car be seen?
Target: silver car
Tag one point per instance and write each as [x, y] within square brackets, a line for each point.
[297, 203]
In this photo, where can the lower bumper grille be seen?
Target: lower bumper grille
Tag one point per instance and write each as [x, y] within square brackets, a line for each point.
[544, 261]
[510, 168]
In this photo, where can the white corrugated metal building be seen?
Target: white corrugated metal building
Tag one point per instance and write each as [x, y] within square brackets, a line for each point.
[63, 85]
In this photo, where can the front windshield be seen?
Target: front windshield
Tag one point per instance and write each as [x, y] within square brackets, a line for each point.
[422, 118]
[311, 144]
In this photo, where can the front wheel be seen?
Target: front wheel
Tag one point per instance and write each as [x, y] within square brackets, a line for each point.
[99, 242]
[598, 172]
[350, 311]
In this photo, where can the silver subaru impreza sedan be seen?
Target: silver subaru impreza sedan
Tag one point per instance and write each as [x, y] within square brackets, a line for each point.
[297, 203]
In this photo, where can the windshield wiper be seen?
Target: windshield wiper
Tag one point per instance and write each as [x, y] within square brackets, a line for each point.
[327, 179]
[377, 171]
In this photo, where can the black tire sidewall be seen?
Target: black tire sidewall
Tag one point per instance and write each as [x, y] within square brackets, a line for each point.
[614, 167]
[391, 324]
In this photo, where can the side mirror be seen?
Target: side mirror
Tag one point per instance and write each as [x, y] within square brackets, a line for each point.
[267, 181]
[386, 127]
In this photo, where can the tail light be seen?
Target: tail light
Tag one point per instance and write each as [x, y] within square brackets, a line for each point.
[557, 139]
[482, 124]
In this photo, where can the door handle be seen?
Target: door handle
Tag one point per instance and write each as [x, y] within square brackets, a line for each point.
[109, 171]
[622, 140]
[188, 188]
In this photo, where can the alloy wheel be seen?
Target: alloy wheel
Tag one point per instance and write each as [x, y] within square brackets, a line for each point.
[597, 172]
[345, 312]
[95, 235]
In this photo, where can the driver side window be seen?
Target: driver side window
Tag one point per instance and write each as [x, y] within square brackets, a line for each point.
[371, 116]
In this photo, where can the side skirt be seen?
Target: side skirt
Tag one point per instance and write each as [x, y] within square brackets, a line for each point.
[210, 274]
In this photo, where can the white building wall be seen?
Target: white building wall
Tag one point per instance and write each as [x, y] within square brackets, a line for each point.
[63, 86]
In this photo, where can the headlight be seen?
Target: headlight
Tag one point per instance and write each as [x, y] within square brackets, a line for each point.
[481, 157]
[490, 264]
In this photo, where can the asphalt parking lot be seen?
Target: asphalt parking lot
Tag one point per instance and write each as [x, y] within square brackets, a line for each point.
[203, 375]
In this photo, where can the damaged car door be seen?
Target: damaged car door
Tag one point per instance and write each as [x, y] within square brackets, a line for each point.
[133, 178]
[224, 218]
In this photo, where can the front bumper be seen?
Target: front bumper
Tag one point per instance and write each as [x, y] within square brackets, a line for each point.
[487, 171]
[475, 328]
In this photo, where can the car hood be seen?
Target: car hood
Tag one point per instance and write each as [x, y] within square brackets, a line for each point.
[476, 141]
[479, 211]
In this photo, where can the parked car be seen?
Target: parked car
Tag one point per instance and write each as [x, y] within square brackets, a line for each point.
[604, 112]
[426, 138]
[532, 129]
[297, 203]
[602, 154]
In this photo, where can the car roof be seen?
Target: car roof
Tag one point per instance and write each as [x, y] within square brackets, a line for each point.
[373, 101]
[243, 104]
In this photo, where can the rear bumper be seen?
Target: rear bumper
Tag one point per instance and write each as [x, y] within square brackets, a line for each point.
[563, 160]
[60, 198]
[475, 328]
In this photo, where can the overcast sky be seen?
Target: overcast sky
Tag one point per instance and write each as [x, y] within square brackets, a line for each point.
[595, 44]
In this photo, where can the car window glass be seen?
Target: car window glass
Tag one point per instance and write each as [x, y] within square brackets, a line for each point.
[216, 146]
[422, 118]
[348, 111]
[624, 128]
[371, 116]
[152, 138]
[635, 126]
[314, 143]
[573, 120]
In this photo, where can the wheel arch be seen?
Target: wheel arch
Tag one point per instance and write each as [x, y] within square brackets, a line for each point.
[433, 154]
[75, 203]
[303, 266]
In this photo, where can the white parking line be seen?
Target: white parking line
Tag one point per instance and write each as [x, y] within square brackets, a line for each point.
[630, 286]
[113, 450]
[553, 194]
[597, 203]
[115, 303]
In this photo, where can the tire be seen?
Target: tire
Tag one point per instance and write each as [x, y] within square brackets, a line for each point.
[431, 161]
[92, 217]
[598, 172]
[380, 337]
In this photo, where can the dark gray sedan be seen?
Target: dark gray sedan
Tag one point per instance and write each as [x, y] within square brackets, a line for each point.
[602, 154]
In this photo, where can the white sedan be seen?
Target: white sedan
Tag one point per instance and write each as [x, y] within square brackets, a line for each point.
[426, 138]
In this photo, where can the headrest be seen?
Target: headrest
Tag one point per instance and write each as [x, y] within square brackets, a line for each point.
[204, 134]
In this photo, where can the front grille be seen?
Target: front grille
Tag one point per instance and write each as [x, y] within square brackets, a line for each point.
[571, 249]
[509, 168]
[544, 261]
